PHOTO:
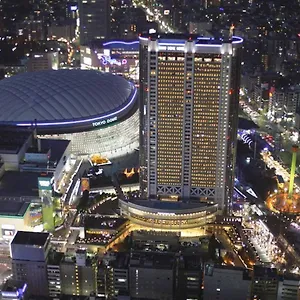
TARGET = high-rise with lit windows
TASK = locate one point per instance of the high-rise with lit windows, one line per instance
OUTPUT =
(94, 19)
(189, 89)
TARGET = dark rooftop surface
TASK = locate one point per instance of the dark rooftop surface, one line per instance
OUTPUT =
(192, 262)
(152, 260)
(13, 208)
(260, 271)
(54, 258)
(11, 140)
(246, 124)
(19, 184)
(121, 261)
(30, 238)
(58, 147)
(12, 285)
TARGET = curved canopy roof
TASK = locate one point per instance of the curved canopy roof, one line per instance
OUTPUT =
(62, 95)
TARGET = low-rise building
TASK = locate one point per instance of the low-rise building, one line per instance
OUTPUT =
(14, 290)
(14, 216)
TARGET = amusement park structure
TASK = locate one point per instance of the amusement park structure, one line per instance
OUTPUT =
(286, 199)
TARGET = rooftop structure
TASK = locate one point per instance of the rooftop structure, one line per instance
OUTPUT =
(13, 289)
(63, 97)
(168, 215)
(13, 208)
(152, 260)
(12, 140)
(15, 184)
(30, 238)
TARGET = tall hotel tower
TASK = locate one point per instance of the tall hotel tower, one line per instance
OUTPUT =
(189, 90)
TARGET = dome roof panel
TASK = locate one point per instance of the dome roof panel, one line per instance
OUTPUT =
(61, 95)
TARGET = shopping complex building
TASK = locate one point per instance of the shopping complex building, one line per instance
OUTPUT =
(118, 57)
(168, 215)
(96, 111)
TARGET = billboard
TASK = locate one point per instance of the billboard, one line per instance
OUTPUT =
(44, 184)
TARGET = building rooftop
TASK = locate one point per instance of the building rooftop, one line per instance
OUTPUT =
(152, 260)
(261, 271)
(11, 140)
(191, 262)
(246, 124)
(19, 184)
(30, 238)
(62, 97)
(180, 38)
(121, 261)
(57, 147)
(116, 44)
(13, 286)
(54, 257)
(13, 208)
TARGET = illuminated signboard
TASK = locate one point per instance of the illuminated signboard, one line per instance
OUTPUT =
(73, 7)
(104, 122)
(171, 48)
(8, 231)
(44, 183)
(107, 60)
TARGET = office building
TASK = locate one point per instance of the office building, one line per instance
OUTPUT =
(152, 275)
(94, 16)
(78, 277)
(53, 272)
(43, 61)
(116, 276)
(223, 282)
(264, 283)
(189, 277)
(29, 253)
(189, 88)
(31, 30)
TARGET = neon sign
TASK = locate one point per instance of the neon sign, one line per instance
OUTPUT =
(104, 122)
(112, 61)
